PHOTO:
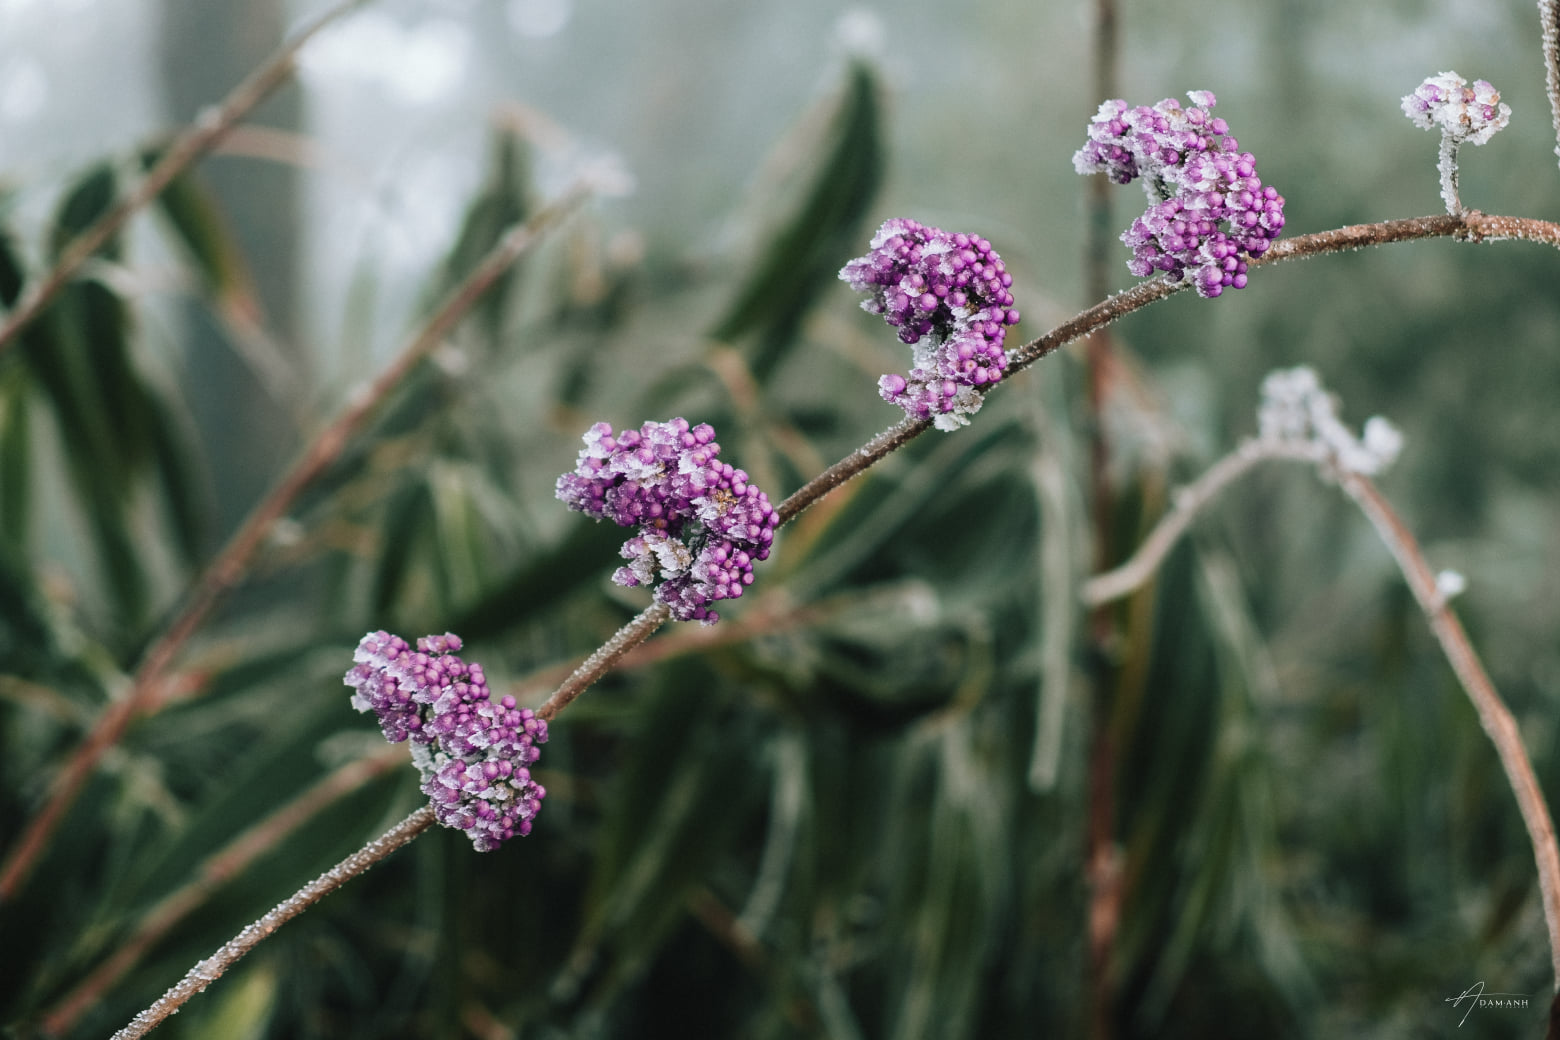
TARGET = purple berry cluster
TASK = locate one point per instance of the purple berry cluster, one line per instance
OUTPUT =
(1208, 210)
(948, 295)
(701, 524)
(474, 753)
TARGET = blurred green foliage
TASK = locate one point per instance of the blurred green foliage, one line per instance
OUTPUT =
(829, 825)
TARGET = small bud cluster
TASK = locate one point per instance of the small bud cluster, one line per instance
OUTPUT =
(1297, 410)
(701, 525)
(474, 753)
(948, 295)
(1462, 112)
(1465, 115)
(1208, 210)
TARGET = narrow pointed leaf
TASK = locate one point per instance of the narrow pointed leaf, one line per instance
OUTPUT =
(807, 250)
(198, 222)
(85, 202)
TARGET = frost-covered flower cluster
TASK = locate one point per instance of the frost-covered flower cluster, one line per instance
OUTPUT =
(1464, 113)
(701, 524)
(1297, 410)
(474, 752)
(1467, 112)
(948, 295)
(1208, 210)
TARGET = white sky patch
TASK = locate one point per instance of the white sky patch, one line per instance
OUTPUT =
(539, 19)
(24, 90)
(420, 65)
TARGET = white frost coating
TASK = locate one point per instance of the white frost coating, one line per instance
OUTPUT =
(1549, 19)
(1297, 411)
(1464, 114)
(965, 404)
(212, 968)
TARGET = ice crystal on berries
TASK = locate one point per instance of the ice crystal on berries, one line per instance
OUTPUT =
(474, 751)
(1208, 210)
(1464, 113)
(948, 295)
(701, 524)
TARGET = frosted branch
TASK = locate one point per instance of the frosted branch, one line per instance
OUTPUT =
(602, 661)
(214, 872)
(1549, 22)
(212, 968)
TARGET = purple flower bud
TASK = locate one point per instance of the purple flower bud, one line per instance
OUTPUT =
(1189, 165)
(701, 522)
(471, 754)
(964, 308)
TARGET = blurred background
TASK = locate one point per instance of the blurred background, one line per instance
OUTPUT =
(857, 807)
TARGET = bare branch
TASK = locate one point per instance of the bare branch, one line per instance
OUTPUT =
(1188, 502)
(212, 968)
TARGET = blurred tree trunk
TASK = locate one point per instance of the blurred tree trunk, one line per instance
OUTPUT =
(206, 48)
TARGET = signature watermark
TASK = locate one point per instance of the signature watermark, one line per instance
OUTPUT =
(1476, 996)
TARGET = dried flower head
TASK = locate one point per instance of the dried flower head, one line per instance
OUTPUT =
(1208, 210)
(474, 753)
(948, 295)
(701, 524)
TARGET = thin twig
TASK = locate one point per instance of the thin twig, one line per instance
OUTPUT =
(212, 968)
(642, 627)
(1549, 23)
(1189, 501)
(1494, 716)
(230, 566)
(204, 134)
(217, 870)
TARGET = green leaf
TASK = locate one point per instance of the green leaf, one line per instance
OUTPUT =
(15, 457)
(13, 273)
(807, 249)
(671, 819)
(502, 203)
(183, 498)
(197, 221)
(408, 520)
(92, 196)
